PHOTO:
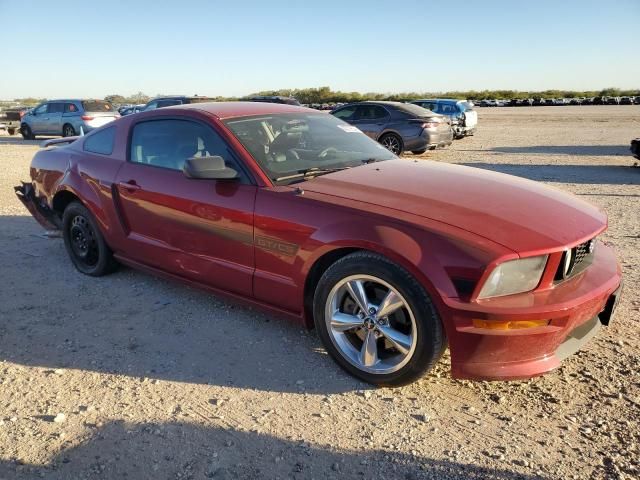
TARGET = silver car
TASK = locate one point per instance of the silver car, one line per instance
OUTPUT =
(66, 118)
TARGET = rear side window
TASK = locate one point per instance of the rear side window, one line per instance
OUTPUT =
(371, 112)
(345, 113)
(412, 109)
(428, 105)
(447, 109)
(70, 108)
(97, 106)
(168, 143)
(56, 107)
(101, 141)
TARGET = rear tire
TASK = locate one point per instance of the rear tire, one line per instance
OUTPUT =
(392, 142)
(84, 242)
(361, 343)
(26, 132)
(68, 130)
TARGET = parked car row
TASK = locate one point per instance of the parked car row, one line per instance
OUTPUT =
(535, 102)
(397, 126)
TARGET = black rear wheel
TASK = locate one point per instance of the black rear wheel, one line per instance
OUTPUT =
(392, 142)
(68, 130)
(84, 242)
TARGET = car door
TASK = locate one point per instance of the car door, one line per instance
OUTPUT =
(39, 119)
(198, 229)
(346, 113)
(371, 120)
(52, 122)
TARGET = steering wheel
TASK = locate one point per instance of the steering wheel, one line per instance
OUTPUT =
(327, 151)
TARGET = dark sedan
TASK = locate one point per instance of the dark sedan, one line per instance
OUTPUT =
(398, 126)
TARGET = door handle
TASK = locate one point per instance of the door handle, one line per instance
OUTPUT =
(130, 185)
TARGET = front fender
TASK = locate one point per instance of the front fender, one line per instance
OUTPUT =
(415, 250)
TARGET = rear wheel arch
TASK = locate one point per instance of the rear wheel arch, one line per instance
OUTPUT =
(62, 199)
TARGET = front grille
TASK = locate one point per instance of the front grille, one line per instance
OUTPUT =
(575, 260)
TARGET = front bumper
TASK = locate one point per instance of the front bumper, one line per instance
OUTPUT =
(576, 309)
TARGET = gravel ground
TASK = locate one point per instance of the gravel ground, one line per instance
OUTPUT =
(129, 376)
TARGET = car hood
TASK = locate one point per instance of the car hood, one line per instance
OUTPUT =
(522, 215)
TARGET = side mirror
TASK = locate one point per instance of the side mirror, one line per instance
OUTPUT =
(212, 168)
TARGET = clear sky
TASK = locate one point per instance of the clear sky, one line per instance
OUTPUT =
(95, 48)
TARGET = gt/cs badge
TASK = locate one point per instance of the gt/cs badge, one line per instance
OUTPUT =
(277, 246)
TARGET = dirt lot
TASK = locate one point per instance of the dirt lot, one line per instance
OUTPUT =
(129, 376)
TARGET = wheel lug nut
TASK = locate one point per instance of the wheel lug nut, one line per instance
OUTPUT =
(372, 310)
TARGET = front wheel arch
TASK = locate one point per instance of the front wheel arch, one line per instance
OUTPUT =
(316, 271)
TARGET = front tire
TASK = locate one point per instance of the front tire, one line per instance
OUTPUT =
(26, 132)
(376, 321)
(392, 142)
(419, 152)
(84, 242)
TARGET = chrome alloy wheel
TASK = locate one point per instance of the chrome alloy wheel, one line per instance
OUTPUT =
(391, 142)
(371, 324)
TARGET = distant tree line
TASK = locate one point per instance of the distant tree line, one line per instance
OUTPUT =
(326, 95)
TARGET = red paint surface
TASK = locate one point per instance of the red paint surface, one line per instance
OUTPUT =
(259, 242)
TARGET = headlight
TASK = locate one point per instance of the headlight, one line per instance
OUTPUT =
(514, 276)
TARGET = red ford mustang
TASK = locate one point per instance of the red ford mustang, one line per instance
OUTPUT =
(291, 209)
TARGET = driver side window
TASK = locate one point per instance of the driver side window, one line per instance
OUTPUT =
(42, 109)
(168, 143)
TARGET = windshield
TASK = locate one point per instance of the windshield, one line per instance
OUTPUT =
(97, 106)
(466, 106)
(288, 144)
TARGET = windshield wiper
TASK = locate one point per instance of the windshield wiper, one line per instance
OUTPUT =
(310, 172)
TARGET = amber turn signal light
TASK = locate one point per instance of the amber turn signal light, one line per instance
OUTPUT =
(509, 324)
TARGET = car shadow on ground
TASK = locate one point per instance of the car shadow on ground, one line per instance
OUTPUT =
(135, 324)
(183, 450)
(18, 140)
(580, 150)
(561, 173)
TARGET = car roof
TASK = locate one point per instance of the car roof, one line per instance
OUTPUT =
(75, 100)
(224, 110)
(440, 100)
